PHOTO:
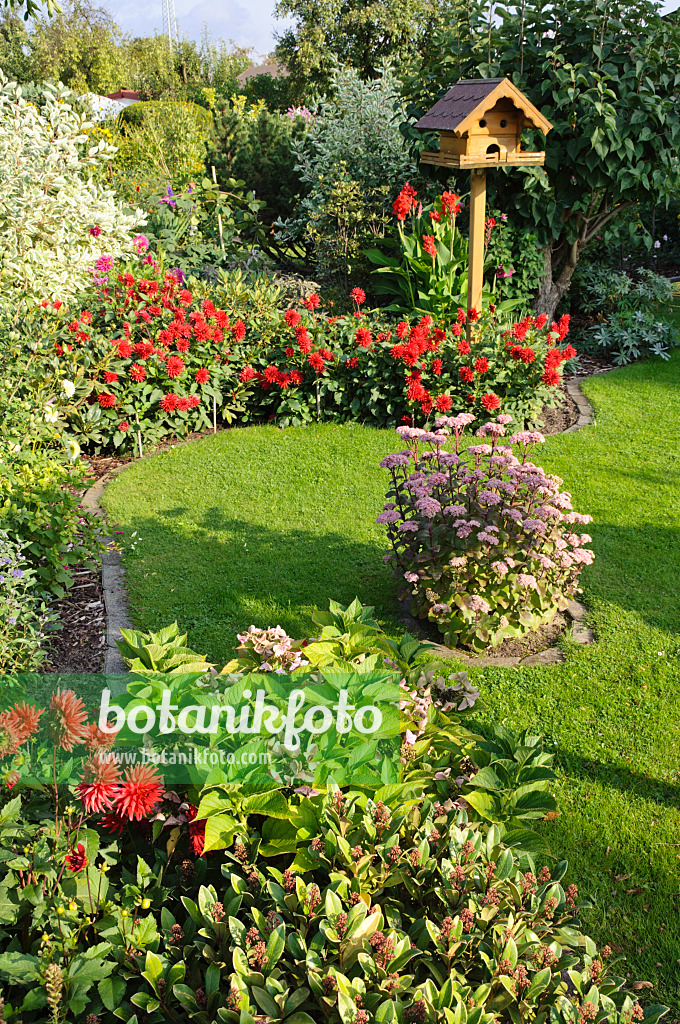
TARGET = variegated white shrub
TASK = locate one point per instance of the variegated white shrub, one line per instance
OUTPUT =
(56, 219)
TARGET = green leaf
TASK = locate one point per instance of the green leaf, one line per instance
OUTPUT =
(112, 991)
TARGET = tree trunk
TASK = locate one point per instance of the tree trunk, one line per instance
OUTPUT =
(551, 290)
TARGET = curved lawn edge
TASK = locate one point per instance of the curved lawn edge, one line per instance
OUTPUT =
(116, 596)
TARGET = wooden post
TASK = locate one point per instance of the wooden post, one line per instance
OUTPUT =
(214, 415)
(139, 434)
(476, 242)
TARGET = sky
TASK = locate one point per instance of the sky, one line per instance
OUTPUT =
(247, 22)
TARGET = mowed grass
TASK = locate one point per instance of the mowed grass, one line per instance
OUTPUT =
(263, 525)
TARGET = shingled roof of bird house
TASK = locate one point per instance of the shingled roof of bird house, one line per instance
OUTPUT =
(469, 99)
(480, 124)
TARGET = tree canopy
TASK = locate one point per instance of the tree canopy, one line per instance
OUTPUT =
(607, 75)
(360, 34)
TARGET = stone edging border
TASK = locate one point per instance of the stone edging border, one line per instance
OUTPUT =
(115, 598)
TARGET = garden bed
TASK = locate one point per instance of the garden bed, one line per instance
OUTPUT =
(78, 644)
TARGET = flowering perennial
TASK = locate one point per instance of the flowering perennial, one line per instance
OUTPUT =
(483, 540)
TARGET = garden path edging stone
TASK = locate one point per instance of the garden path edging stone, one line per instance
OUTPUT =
(115, 596)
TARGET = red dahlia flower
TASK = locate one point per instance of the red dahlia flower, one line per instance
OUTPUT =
(353, 362)
(466, 374)
(185, 297)
(196, 831)
(363, 337)
(182, 404)
(139, 793)
(246, 374)
(123, 426)
(316, 362)
(551, 378)
(437, 367)
(168, 403)
(239, 330)
(481, 365)
(292, 317)
(106, 401)
(67, 719)
(124, 350)
(174, 366)
(490, 401)
(461, 315)
(541, 321)
(443, 403)
(569, 352)
(99, 783)
(76, 860)
(137, 373)
(194, 401)
(110, 377)
(290, 352)
(312, 303)
(359, 296)
(472, 314)
(22, 720)
(295, 377)
(202, 376)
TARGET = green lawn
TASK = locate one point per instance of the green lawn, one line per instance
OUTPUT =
(262, 525)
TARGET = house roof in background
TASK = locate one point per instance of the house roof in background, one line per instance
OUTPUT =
(272, 68)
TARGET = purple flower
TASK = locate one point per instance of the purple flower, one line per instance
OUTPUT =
(429, 507)
(391, 516)
(478, 604)
(104, 264)
(411, 577)
(396, 459)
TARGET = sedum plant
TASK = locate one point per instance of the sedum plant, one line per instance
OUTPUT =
(56, 221)
(483, 541)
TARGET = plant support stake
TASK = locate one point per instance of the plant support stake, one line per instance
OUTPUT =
(214, 415)
(139, 434)
(219, 215)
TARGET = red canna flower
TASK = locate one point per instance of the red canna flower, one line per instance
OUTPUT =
(139, 793)
(430, 246)
(76, 860)
(67, 719)
(450, 203)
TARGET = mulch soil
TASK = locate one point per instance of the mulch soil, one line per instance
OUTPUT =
(78, 645)
(538, 640)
